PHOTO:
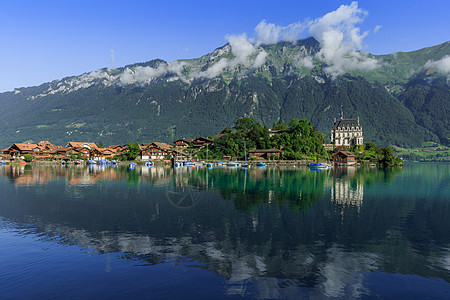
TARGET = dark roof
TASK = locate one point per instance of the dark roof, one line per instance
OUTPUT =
(344, 123)
(204, 139)
(346, 153)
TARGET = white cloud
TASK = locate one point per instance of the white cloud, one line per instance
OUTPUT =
(260, 59)
(113, 58)
(442, 65)
(141, 74)
(269, 33)
(377, 28)
(241, 48)
(306, 61)
(214, 70)
(176, 67)
(340, 39)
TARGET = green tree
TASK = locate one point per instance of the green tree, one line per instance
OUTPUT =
(132, 151)
(28, 157)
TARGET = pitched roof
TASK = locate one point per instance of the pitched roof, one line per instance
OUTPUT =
(162, 145)
(204, 138)
(345, 123)
(25, 147)
(346, 153)
(80, 144)
(46, 144)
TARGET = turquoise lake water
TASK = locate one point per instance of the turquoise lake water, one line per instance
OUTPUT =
(224, 233)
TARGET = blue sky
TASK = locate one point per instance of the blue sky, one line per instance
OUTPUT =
(44, 40)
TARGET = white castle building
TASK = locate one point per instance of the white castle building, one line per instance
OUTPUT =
(346, 132)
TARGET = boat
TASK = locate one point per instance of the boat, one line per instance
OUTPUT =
(245, 165)
(2, 162)
(319, 166)
(148, 163)
(114, 161)
(260, 164)
(91, 162)
(209, 165)
(231, 164)
(132, 165)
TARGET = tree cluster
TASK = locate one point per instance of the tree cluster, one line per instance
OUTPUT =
(298, 140)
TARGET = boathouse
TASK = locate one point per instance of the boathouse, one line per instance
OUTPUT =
(344, 158)
(264, 153)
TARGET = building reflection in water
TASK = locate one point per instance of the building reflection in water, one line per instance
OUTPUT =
(347, 191)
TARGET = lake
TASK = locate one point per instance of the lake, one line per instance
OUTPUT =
(224, 233)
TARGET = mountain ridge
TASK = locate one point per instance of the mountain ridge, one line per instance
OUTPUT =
(157, 100)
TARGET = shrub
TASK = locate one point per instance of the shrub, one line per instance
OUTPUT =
(28, 157)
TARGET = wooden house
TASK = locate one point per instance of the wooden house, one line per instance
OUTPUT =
(344, 158)
(202, 142)
(183, 143)
(18, 150)
(264, 153)
(89, 146)
(155, 151)
(102, 153)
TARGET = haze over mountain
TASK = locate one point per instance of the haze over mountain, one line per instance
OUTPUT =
(401, 98)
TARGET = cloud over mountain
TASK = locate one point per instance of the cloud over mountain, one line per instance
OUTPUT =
(442, 65)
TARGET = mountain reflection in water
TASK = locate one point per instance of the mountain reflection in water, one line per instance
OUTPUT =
(269, 232)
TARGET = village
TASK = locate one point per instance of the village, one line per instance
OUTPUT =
(344, 133)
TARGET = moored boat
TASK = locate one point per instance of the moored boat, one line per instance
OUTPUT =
(261, 164)
(319, 166)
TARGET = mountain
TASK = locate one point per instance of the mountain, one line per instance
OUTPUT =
(403, 101)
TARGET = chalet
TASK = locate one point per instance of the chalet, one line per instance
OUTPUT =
(80, 152)
(19, 150)
(60, 153)
(89, 146)
(46, 145)
(344, 158)
(116, 148)
(202, 142)
(179, 155)
(156, 151)
(102, 153)
(183, 143)
(264, 153)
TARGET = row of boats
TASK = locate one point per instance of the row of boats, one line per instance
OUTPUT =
(200, 164)
(219, 164)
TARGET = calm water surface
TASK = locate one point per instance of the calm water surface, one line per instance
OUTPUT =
(197, 233)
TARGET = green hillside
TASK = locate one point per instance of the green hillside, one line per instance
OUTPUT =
(401, 103)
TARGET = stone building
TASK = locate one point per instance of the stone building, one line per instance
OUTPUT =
(346, 132)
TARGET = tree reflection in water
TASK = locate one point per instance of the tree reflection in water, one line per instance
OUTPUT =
(272, 227)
